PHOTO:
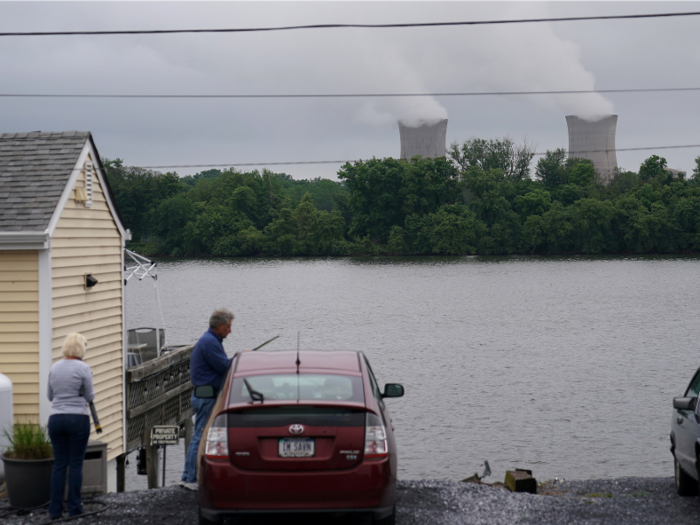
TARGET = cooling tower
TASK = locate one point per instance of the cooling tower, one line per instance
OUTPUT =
(594, 140)
(426, 140)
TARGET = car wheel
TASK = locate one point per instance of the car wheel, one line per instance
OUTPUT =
(389, 520)
(685, 484)
(205, 521)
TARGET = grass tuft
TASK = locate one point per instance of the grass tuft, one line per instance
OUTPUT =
(28, 441)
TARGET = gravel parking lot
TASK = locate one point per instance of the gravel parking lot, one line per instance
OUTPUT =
(620, 501)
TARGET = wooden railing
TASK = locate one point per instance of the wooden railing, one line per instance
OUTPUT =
(158, 393)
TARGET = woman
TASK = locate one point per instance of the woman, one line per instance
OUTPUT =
(70, 389)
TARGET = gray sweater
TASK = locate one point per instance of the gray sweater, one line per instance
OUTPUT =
(65, 379)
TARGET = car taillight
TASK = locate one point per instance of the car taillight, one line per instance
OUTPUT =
(217, 439)
(376, 445)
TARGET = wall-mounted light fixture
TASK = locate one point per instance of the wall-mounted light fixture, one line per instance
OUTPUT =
(90, 281)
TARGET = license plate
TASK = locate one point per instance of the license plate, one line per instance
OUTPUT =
(297, 447)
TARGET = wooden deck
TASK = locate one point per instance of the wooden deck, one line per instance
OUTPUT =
(158, 393)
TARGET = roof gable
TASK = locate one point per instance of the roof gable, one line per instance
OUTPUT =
(34, 170)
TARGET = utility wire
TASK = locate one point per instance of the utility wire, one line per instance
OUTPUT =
(251, 164)
(334, 26)
(358, 95)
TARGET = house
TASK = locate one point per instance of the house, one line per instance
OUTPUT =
(61, 260)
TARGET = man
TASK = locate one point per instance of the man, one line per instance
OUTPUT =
(209, 365)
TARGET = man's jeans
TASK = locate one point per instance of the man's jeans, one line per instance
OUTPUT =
(202, 409)
(69, 435)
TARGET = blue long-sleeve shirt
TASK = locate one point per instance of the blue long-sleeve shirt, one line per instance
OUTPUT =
(209, 363)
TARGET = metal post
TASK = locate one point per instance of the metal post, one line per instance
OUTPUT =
(165, 447)
(121, 472)
(155, 287)
(151, 459)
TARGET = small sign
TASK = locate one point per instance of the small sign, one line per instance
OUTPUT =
(165, 435)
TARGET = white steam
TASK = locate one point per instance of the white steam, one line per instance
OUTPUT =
(518, 57)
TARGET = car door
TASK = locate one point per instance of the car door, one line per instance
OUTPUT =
(687, 430)
(386, 417)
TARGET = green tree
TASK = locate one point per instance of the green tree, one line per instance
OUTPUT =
(137, 192)
(383, 192)
(502, 154)
(192, 180)
(324, 191)
(591, 221)
(535, 202)
(551, 168)
(652, 167)
(554, 169)
(452, 230)
(282, 234)
(169, 220)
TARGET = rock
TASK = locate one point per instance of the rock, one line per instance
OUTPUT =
(471, 479)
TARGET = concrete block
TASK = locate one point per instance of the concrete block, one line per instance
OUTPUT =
(520, 480)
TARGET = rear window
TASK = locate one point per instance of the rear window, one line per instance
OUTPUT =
(305, 415)
(300, 387)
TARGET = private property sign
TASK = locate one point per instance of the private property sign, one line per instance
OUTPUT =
(165, 434)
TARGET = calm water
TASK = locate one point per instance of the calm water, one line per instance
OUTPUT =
(565, 366)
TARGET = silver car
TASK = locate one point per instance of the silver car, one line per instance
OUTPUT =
(685, 439)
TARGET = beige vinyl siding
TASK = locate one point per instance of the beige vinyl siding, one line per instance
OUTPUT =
(19, 330)
(87, 240)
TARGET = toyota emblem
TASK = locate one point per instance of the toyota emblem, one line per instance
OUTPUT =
(296, 429)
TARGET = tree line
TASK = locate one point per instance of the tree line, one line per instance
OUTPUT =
(481, 198)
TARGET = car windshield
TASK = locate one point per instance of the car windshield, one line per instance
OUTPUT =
(301, 387)
(694, 387)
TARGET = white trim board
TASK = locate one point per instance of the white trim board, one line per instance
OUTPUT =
(45, 333)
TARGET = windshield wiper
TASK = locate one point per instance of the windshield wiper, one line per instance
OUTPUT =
(254, 394)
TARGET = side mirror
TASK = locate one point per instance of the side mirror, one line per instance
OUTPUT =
(393, 390)
(204, 392)
(685, 403)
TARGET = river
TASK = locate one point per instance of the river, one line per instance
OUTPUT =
(563, 365)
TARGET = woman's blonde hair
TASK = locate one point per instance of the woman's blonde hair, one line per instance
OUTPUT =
(74, 345)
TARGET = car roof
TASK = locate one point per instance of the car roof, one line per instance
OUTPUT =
(285, 360)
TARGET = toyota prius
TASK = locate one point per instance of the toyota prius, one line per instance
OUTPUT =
(298, 431)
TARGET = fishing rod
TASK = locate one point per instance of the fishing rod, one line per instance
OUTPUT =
(95, 419)
(93, 411)
(259, 347)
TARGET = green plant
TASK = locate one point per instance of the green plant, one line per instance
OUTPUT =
(28, 441)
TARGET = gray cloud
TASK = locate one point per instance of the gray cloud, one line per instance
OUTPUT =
(583, 55)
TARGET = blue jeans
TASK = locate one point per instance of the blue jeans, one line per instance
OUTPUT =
(69, 435)
(202, 409)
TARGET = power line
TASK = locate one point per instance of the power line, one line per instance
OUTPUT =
(362, 26)
(356, 95)
(290, 163)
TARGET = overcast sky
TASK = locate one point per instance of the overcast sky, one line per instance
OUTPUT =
(616, 54)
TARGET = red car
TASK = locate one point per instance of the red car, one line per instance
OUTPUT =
(298, 431)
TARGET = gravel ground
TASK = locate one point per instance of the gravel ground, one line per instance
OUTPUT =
(620, 501)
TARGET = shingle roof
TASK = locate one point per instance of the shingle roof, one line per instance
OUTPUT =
(34, 170)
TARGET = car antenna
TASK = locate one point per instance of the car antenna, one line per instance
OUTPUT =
(298, 362)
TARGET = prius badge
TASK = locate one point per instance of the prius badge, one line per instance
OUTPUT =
(296, 429)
